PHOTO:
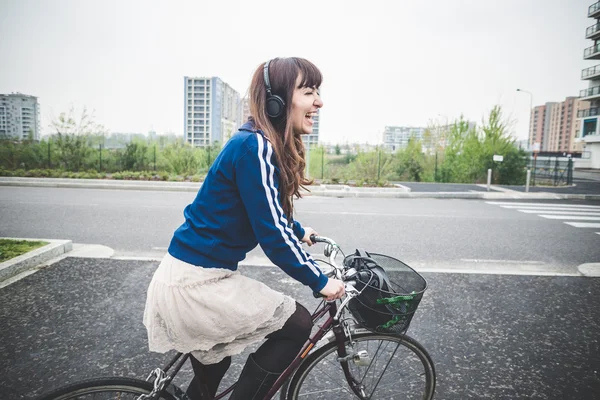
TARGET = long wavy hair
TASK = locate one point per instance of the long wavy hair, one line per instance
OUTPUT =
(287, 144)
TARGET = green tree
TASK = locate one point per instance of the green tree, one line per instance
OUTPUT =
(135, 156)
(410, 162)
(182, 159)
(373, 167)
(470, 152)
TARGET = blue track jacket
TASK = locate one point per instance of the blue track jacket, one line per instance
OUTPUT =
(238, 207)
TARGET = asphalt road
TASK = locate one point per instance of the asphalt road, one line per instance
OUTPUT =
(500, 337)
(491, 336)
(434, 234)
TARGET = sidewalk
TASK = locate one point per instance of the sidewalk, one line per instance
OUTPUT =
(400, 190)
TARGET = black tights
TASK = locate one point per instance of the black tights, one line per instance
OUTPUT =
(275, 354)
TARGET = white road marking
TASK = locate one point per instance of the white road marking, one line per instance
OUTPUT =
(58, 204)
(498, 271)
(584, 224)
(466, 266)
(376, 214)
(475, 260)
(542, 209)
(590, 213)
(571, 217)
(510, 203)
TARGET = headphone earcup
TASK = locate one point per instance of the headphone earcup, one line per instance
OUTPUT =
(275, 106)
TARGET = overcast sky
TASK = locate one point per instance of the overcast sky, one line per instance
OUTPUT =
(395, 62)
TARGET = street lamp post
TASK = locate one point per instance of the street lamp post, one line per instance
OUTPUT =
(531, 112)
(530, 103)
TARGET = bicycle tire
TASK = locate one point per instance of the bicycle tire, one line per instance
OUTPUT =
(135, 387)
(410, 347)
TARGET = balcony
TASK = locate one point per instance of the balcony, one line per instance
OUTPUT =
(592, 53)
(594, 10)
(593, 32)
(591, 72)
(589, 94)
(590, 112)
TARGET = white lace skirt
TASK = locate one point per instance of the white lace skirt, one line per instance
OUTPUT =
(212, 313)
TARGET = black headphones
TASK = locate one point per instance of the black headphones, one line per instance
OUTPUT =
(275, 104)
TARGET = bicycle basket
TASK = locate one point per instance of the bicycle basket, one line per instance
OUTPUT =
(384, 306)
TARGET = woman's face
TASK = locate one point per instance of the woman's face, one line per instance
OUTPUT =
(305, 103)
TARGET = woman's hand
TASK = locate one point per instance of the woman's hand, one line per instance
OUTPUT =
(333, 290)
(308, 232)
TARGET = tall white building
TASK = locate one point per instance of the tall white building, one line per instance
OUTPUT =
(212, 111)
(590, 128)
(19, 116)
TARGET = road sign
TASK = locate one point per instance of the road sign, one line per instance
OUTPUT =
(536, 146)
(498, 158)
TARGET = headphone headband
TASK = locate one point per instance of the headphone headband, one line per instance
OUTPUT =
(266, 77)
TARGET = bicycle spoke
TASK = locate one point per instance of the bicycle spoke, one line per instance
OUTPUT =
(369, 368)
(391, 369)
(323, 369)
(385, 369)
(375, 358)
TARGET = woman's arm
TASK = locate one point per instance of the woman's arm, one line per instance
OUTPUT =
(258, 184)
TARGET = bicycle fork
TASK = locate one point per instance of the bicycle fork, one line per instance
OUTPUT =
(344, 357)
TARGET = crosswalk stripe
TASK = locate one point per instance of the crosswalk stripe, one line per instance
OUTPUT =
(584, 224)
(542, 209)
(590, 213)
(510, 203)
(571, 217)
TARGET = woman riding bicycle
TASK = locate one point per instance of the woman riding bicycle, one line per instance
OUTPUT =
(197, 301)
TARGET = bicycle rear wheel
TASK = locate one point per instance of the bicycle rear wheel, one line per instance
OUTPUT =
(105, 388)
(385, 366)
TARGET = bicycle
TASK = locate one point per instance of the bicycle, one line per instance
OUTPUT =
(339, 361)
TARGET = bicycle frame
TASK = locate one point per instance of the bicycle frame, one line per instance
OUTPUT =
(331, 323)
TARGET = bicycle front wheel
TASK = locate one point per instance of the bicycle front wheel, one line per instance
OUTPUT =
(383, 366)
(105, 388)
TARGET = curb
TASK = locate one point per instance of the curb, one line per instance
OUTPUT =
(321, 190)
(102, 184)
(32, 259)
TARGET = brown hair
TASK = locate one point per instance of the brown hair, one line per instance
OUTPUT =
(287, 145)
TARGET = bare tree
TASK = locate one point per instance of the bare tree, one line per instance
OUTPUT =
(73, 137)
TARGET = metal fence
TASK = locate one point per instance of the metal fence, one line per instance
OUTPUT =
(556, 171)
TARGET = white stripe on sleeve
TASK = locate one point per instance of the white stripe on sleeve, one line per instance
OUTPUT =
(281, 225)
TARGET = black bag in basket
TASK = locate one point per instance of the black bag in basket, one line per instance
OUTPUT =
(382, 306)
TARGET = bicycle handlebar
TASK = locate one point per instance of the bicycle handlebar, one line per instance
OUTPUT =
(321, 239)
